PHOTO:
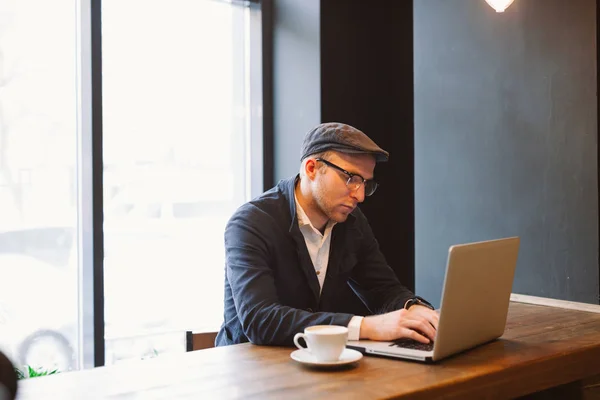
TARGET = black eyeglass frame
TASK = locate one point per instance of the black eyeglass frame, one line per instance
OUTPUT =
(365, 182)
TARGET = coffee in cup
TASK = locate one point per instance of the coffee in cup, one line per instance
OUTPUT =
(325, 342)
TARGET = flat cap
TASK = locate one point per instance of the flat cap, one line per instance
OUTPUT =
(340, 137)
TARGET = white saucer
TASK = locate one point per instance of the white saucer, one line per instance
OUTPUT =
(348, 356)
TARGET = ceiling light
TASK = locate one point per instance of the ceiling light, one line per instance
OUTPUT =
(499, 5)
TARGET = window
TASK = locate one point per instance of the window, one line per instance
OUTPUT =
(38, 186)
(177, 105)
(181, 150)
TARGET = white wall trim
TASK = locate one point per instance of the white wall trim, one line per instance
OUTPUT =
(545, 301)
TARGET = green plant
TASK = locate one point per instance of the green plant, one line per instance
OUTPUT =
(30, 372)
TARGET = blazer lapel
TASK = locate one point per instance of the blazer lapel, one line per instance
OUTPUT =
(303, 257)
(342, 237)
(307, 265)
(336, 251)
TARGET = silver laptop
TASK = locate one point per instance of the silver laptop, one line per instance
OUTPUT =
(474, 305)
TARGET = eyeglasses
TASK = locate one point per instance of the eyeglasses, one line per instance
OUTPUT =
(354, 180)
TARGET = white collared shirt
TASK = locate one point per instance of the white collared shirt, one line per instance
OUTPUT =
(318, 248)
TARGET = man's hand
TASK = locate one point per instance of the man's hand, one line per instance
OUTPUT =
(418, 323)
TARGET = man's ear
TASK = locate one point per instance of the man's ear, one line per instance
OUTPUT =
(311, 168)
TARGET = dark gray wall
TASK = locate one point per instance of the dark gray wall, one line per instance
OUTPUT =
(506, 139)
(296, 80)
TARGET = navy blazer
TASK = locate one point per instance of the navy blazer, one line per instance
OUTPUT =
(271, 288)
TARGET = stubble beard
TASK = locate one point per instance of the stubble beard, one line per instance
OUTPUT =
(327, 209)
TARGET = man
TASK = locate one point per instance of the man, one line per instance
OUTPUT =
(292, 250)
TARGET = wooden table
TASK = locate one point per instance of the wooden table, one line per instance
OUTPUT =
(542, 347)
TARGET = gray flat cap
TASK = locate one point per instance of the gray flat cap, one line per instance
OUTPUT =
(340, 137)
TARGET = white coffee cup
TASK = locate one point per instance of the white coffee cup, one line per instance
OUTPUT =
(325, 342)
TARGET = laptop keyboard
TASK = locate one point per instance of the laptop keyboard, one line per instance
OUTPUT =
(412, 344)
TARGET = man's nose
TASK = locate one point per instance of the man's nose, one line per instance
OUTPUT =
(359, 194)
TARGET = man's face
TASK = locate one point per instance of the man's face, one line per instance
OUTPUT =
(332, 196)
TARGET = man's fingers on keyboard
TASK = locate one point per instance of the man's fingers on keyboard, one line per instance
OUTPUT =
(423, 327)
(415, 335)
(412, 330)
